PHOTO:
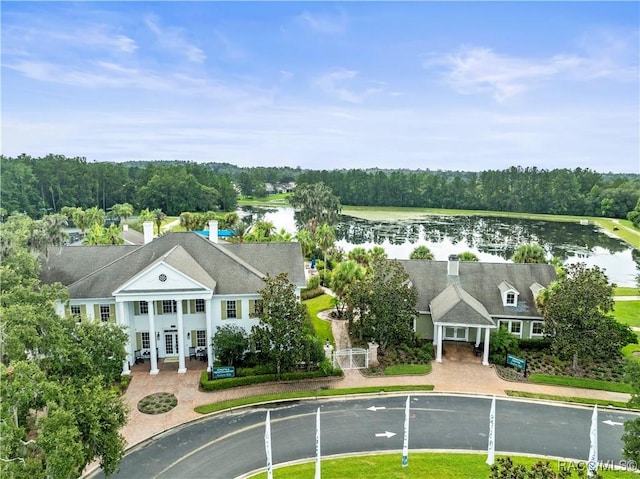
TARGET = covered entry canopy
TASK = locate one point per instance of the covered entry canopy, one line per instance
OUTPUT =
(456, 308)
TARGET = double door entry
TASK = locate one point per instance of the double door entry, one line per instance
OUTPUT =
(171, 343)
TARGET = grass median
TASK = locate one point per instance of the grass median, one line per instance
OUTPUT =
(583, 383)
(223, 405)
(407, 369)
(421, 465)
(573, 399)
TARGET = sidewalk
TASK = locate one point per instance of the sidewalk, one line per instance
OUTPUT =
(449, 376)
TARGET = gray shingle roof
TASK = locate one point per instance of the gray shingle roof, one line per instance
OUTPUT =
(232, 269)
(455, 306)
(481, 280)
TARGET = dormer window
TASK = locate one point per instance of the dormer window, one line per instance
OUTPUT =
(509, 294)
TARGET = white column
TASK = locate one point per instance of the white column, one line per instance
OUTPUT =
(478, 336)
(120, 312)
(485, 357)
(208, 306)
(153, 340)
(181, 342)
(439, 350)
(435, 335)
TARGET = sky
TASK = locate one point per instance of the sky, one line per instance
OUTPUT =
(325, 85)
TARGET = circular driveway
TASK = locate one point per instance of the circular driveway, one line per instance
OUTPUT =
(232, 444)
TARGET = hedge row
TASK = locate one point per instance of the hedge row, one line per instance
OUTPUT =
(311, 293)
(227, 383)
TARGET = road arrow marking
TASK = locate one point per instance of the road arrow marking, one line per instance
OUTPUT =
(375, 408)
(386, 434)
(612, 423)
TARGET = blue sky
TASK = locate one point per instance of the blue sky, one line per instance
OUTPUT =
(438, 85)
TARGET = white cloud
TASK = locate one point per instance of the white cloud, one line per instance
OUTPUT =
(172, 38)
(327, 24)
(333, 84)
(481, 70)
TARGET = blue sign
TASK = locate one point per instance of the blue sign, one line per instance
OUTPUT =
(224, 372)
(516, 362)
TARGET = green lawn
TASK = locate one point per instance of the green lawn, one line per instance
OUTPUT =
(321, 327)
(421, 465)
(402, 369)
(626, 291)
(281, 199)
(627, 312)
(553, 397)
(629, 349)
(581, 383)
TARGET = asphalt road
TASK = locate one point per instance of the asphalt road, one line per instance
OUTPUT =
(232, 444)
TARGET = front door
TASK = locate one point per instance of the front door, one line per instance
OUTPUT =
(171, 343)
(456, 333)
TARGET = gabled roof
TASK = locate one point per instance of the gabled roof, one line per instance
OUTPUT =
(455, 306)
(481, 280)
(231, 269)
(505, 287)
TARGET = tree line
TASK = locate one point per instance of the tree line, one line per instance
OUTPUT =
(37, 186)
(527, 190)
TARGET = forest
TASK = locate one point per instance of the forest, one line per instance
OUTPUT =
(39, 186)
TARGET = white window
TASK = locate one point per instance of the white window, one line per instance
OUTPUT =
(231, 309)
(169, 306)
(201, 338)
(511, 299)
(516, 328)
(199, 305)
(146, 341)
(537, 328)
(144, 307)
(105, 313)
(75, 312)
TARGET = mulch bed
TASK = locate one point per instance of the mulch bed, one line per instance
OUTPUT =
(157, 403)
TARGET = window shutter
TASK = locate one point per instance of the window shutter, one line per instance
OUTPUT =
(184, 307)
(138, 341)
(239, 309)
(192, 306)
(67, 310)
(252, 308)
(83, 312)
(158, 307)
(194, 338)
(223, 312)
(112, 313)
(136, 308)
(96, 312)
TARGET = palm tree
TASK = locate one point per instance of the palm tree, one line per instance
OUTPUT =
(325, 237)
(158, 217)
(54, 229)
(305, 239)
(344, 274)
(468, 256)
(529, 253)
(80, 219)
(122, 210)
(359, 255)
(421, 252)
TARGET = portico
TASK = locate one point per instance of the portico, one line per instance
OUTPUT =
(455, 315)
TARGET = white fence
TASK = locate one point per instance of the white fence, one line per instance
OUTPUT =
(355, 358)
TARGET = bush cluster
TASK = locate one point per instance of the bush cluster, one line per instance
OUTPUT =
(311, 293)
(219, 384)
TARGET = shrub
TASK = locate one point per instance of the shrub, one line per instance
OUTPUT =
(227, 383)
(534, 344)
(308, 294)
(313, 283)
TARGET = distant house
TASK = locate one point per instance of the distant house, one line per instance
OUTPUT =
(464, 301)
(172, 292)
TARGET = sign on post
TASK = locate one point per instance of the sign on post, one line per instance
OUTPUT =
(224, 372)
(516, 362)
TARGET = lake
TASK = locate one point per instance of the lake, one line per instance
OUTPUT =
(491, 239)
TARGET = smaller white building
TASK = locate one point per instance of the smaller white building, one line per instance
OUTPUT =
(173, 292)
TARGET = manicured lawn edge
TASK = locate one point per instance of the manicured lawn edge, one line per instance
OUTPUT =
(422, 464)
(322, 327)
(572, 399)
(629, 349)
(581, 383)
(625, 291)
(233, 403)
(407, 369)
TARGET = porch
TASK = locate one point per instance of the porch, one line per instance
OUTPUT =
(170, 364)
(462, 352)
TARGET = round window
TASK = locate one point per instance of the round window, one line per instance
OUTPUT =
(162, 277)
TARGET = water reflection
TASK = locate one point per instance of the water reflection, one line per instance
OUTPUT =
(491, 239)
